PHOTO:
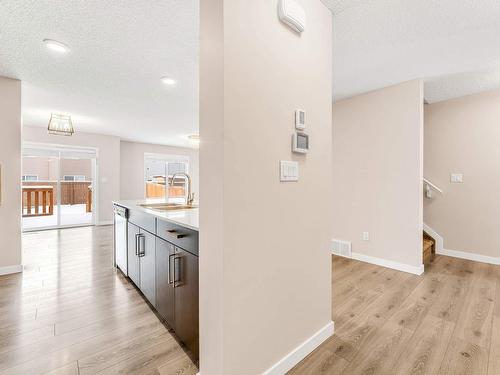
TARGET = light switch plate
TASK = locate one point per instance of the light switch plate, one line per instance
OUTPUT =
(289, 171)
(300, 119)
(366, 236)
(456, 178)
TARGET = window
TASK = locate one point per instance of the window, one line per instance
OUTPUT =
(159, 176)
(30, 177)
(74, 178)
(176, 167)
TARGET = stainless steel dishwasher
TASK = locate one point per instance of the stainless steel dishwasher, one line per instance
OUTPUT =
(120, 237)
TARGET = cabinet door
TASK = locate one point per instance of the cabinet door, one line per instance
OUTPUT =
(186, 298)
(147, 258)
(133, 258)
(165, 280)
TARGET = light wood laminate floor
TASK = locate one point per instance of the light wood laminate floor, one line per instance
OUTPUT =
(70, 312)
(445, 322)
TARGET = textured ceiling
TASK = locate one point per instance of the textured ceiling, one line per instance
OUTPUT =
(457, 85)
(338, 6)
(110, 80)
(453, 45)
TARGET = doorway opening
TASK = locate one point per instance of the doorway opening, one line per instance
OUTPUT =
(58, 186)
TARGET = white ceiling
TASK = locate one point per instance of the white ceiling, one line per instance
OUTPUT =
(453, 44)
(110, 80)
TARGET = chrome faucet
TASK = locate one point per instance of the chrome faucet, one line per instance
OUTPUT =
(190, 196)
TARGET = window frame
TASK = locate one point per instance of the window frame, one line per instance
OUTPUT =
(166, 158)
(75, 179)
(23, 178)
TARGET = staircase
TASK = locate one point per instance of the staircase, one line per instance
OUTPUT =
(429, 243)
(428, 248)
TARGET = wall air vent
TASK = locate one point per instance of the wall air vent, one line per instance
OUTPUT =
(342, 248)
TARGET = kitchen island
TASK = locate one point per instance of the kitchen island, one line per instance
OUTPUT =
(185, 217)
(156, 247)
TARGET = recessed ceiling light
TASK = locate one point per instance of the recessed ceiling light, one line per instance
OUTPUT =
(56, 46)
(168, 81)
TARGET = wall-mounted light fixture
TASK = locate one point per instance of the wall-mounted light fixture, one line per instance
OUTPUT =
(60, 125)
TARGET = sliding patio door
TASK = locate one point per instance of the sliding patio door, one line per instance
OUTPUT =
(58, 187)
(39, 189)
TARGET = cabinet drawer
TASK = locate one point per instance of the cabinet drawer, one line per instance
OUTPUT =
(142, 220)
(180, 236)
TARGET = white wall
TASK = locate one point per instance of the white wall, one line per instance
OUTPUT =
(132, 166)
(10, 163)
(109, 162)
(463, 136)
(377, 173)
(265, 265)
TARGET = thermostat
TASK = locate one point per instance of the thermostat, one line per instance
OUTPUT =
(300, 143)
(300, 119)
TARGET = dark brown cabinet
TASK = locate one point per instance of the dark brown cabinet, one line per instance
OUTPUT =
(164, 280)
(186, 298)
(163, 264)
(147, 256)
(141, 261)
(177, 291)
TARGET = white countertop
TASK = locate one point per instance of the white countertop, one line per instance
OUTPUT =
(187, 218)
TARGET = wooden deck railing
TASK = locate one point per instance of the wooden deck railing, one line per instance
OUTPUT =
(157, 190)
(74, 192)
(38, 200)
(39, 197)
(89, 199)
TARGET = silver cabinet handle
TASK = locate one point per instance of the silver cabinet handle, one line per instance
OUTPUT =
(170, 280)
(142, 243)
(137, 244)
(177, 271)
(174, 234)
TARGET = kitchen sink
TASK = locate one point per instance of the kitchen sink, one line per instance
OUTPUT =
(167, 206)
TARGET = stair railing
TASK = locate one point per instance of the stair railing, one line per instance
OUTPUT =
(429, 187)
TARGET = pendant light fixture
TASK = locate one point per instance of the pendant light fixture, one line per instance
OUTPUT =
(60, 125)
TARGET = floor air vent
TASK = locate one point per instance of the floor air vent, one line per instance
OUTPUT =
(342, 248)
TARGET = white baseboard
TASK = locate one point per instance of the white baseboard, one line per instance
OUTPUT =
(389, 264)
(469, 256)
(11, 269)
(439, 240)
(302, 351)
(456, 253)
(108, 222)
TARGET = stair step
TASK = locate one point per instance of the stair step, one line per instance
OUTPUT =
(428, 245)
